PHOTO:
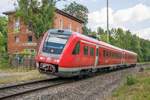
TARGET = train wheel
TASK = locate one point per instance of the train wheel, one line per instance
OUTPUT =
(41, 71)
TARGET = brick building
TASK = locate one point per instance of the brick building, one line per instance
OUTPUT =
(20, 39)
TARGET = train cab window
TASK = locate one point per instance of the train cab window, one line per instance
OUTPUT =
(85, 50)
(55, 43)
(91, 51)
(76, 49)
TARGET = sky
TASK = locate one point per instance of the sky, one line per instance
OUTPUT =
(133, 15)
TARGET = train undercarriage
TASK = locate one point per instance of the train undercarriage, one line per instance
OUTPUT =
(51, 69)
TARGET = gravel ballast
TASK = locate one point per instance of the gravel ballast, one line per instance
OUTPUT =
(95, 88)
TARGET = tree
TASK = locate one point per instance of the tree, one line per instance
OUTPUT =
(101, 34)
(86, 30)
(100, 30)
(3, 33)
(2, 43)
(136, 47)
(145, 48)
(77, 10)
(38, 16)
(3, 25)
(127, 40)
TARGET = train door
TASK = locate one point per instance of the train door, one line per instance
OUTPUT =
(76, 55)
(123, 57)
(96, 56)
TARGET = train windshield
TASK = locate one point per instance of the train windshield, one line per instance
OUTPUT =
(54, 44)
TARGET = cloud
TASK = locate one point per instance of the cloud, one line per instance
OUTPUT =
(145, 33)
(99, 18)
(137, 13)
(6, 5)
(122, 18)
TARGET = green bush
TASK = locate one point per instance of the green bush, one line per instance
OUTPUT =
(131, 80)
(4, 60)
(147, 68)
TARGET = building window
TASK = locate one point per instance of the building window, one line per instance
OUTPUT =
(33, 50)
(70, 27)
(17, 25)
(29, 27)
(17, 40)
(29, 38)
(61, 24)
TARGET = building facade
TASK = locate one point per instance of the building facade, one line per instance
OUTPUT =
(20, 39)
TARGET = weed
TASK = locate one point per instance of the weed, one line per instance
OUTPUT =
(131, 80)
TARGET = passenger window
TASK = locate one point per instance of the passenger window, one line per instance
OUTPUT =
(91, 51)
(110, 54)
(107, 53)
(97, 52)
(104, 53)
(85, 50)
(76, 49)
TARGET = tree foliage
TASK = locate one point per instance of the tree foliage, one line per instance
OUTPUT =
(3, 25)
(3, 34)
(86, 30)
(77, 10)
(38, 16)
(127, 40)
(2, 43)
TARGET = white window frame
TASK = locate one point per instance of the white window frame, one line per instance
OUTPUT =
(17, 40)
(17, 25)
(61, 23)
(70, 27)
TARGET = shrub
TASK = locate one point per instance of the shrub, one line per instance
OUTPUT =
(131, 80)
(4, 61)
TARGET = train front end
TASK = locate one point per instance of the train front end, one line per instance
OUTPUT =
(51, 50)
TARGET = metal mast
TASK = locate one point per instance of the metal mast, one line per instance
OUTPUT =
(108, 21)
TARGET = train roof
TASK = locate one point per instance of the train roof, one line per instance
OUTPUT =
(102, 43)
(129, 52)
(96, 41)
(89, 39)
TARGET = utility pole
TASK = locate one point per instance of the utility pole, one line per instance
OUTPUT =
(108, 21)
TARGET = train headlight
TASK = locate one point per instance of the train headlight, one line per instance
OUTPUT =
(41, 58)
(57, 61)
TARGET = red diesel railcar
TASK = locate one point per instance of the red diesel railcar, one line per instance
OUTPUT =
(64, 53)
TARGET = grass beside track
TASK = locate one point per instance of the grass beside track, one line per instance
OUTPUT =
(14, 75)
(135, 88)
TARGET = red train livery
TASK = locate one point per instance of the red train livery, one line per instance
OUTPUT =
(64, 53)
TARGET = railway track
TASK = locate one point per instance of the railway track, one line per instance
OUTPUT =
(18, 89)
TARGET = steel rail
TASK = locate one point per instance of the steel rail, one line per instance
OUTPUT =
(23, 88)
(19, 89)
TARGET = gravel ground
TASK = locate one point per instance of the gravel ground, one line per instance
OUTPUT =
(94, 88)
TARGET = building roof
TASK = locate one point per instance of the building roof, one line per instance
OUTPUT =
(69, 16)
(57, 11)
